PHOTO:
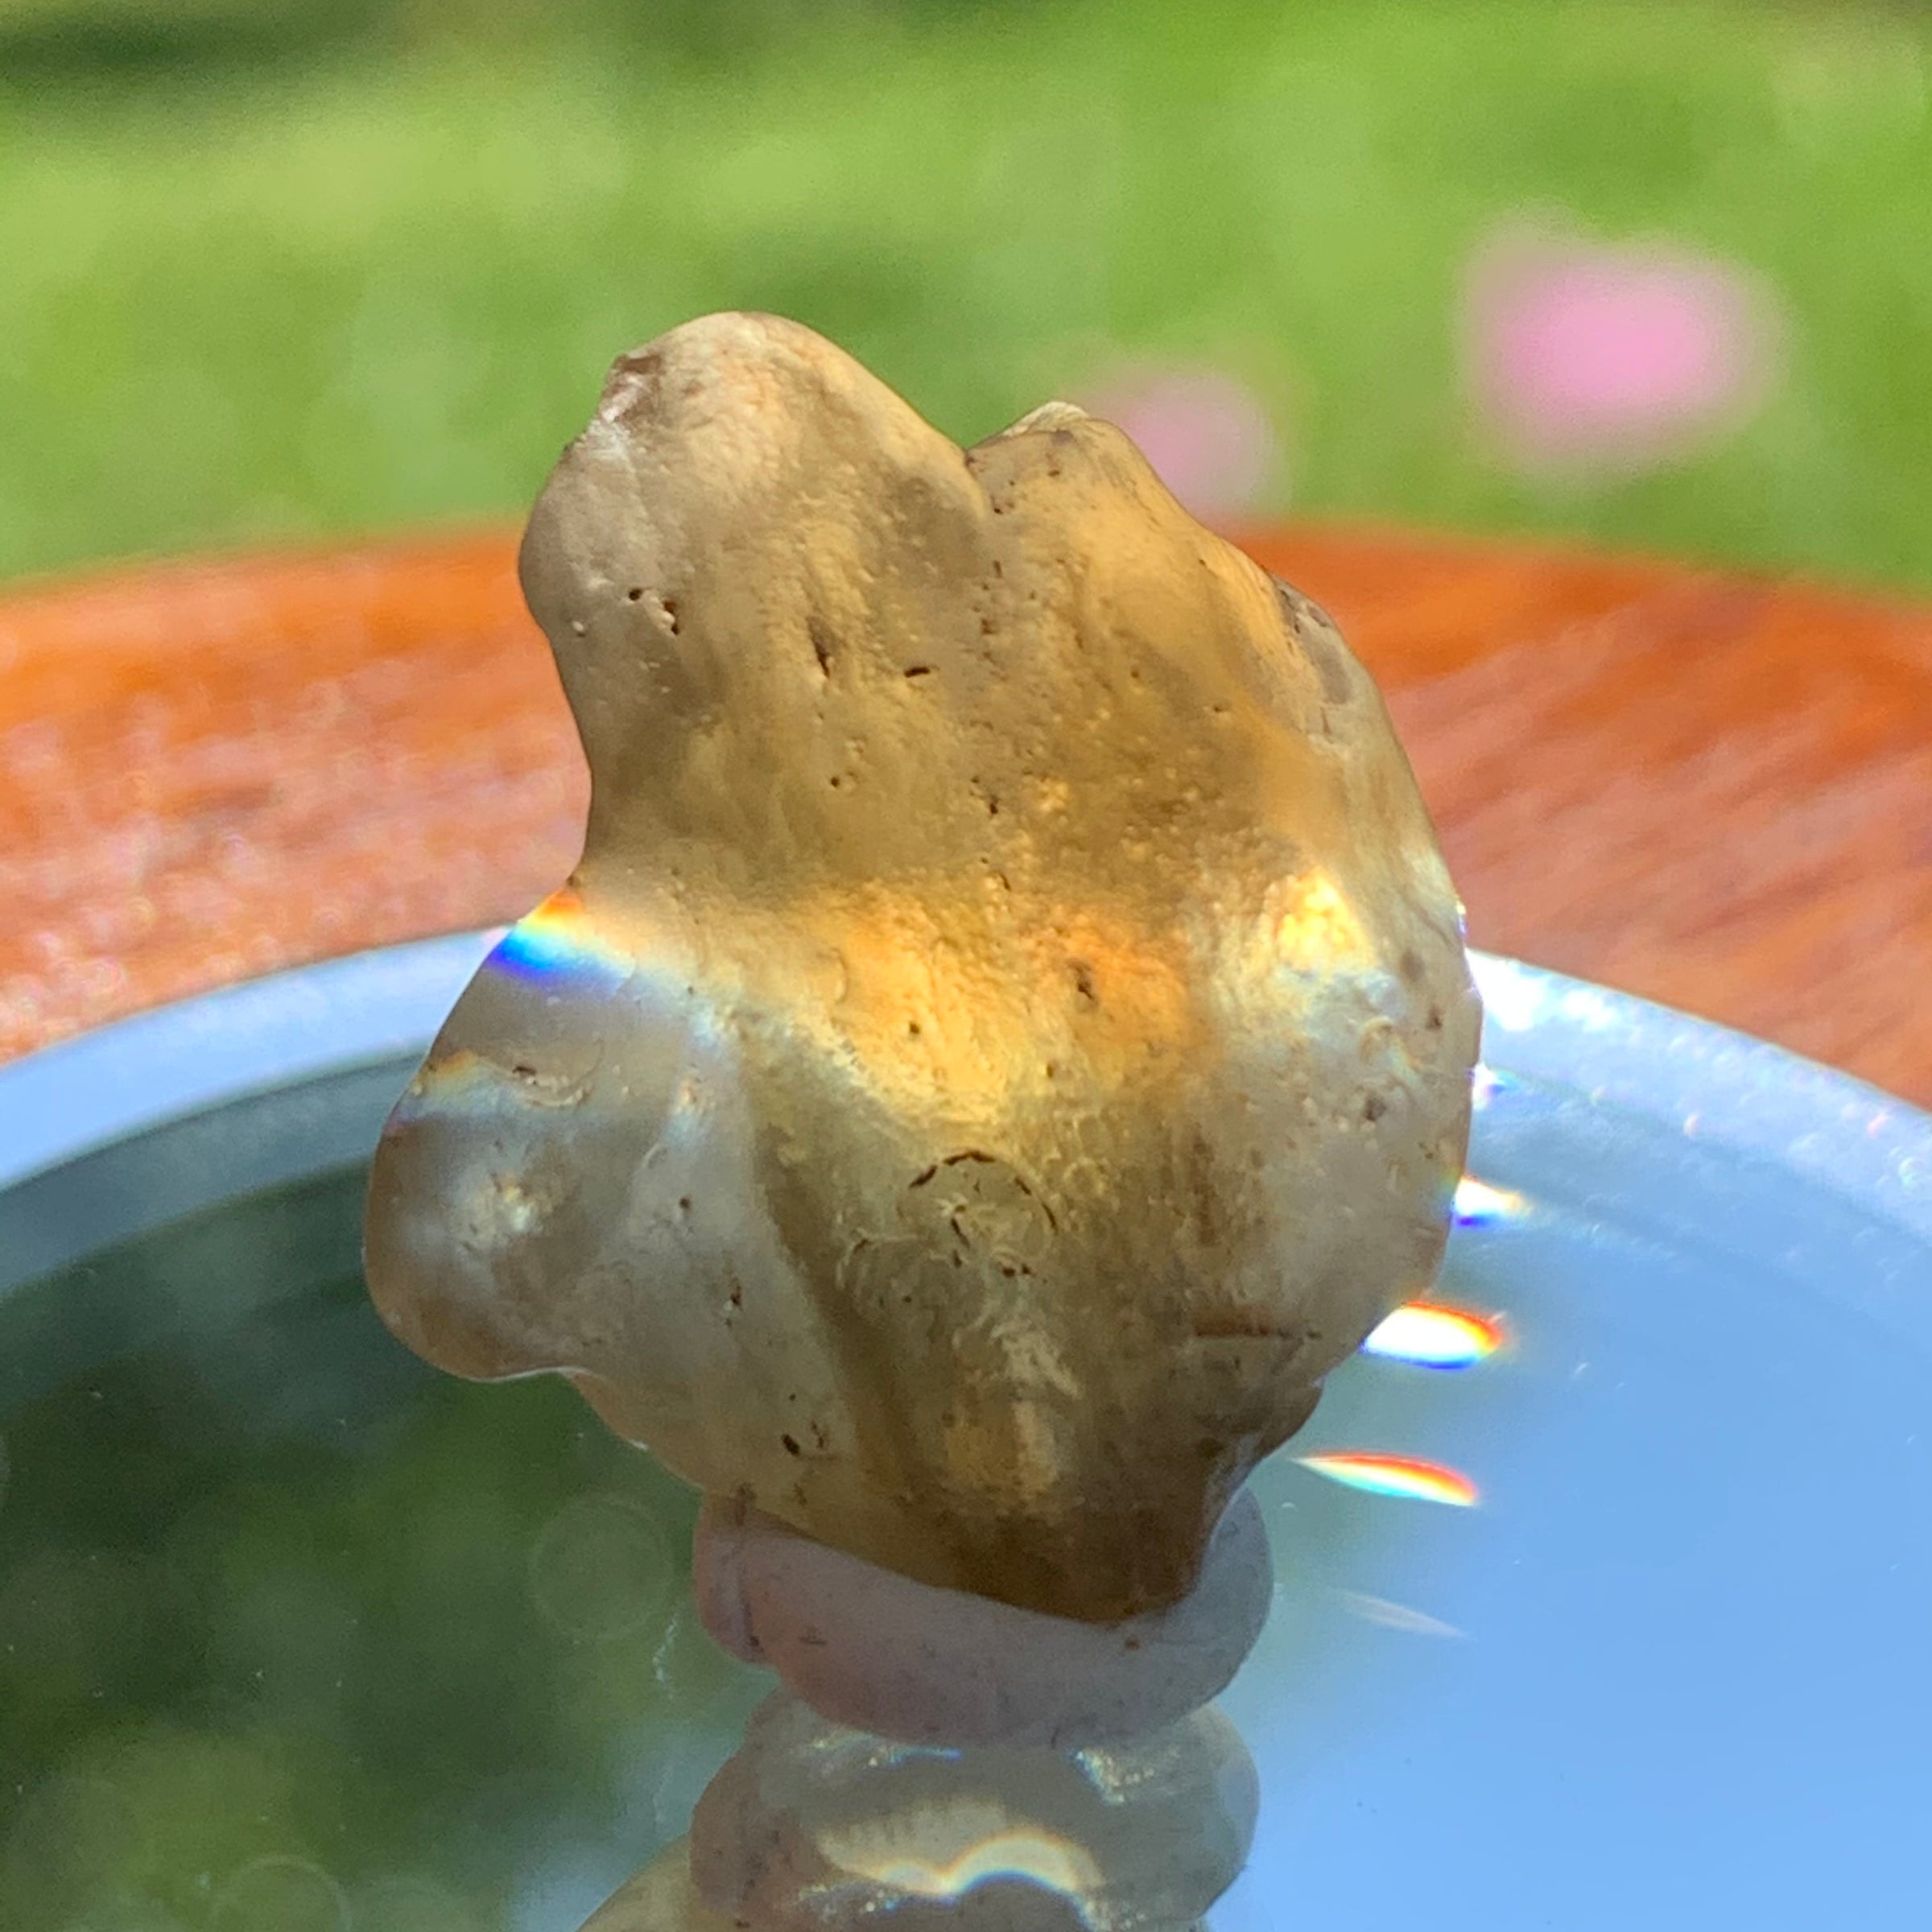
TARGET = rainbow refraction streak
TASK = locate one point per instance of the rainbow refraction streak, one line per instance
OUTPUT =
(1037, 1855)
(1485, 1083)
(559, 942)
(1401, 1475)
(1432, 1334)
(1478, 1205)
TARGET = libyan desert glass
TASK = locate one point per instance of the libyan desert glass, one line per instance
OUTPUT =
(1621, 1624)
(1008, 1036)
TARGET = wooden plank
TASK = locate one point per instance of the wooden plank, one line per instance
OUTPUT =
(1711, 790)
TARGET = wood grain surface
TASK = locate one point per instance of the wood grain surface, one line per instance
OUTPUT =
(1710, 790)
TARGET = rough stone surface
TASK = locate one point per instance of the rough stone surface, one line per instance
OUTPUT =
(1008, 1035)
(870, 1648)
(812, 1827)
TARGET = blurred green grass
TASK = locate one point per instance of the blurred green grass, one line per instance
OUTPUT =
(271, 271)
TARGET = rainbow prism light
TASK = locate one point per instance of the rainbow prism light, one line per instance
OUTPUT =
(1432, 1334)
(560, 941)
(1406, 1476)
(1480, 1205)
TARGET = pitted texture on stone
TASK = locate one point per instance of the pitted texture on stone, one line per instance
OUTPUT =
(1009, 1036)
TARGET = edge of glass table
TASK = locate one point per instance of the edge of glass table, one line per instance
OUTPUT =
(320, 1053)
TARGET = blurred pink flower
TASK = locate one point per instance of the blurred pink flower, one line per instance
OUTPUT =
(1581, 356)
(1207, 435)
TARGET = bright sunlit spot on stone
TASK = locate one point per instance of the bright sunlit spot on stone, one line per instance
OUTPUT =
(1433, 1335)
(1401, 1475)
(1478, 1205)
(1317, 928)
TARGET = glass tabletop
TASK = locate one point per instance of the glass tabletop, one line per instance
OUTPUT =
(1620, 1623)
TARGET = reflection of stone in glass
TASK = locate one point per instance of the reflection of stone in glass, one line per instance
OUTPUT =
(813, 1826)
(1009, 1036)
(663, 1898)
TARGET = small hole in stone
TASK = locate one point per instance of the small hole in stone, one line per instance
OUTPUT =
(635, 593)
(791, 1448)
(919, 671)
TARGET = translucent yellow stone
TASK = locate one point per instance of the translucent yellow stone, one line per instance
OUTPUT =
(1008, 1035)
